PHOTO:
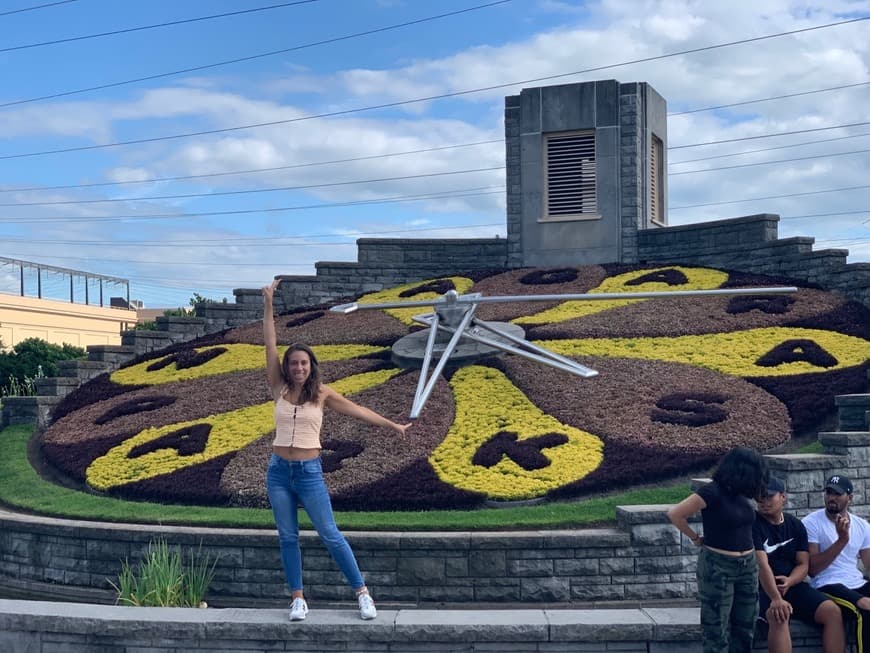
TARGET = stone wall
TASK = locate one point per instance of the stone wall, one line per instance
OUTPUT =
(382, 263)
(750, 244)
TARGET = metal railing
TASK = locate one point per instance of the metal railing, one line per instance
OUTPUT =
(28, 279)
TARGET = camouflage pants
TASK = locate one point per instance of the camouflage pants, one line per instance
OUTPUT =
(728, 590)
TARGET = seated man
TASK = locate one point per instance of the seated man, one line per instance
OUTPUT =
(837, 539)
(783, 561)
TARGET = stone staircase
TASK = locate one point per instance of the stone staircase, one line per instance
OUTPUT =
(209, 317)
(846, 451)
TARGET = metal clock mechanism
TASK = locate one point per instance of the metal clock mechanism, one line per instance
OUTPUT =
(453, 335)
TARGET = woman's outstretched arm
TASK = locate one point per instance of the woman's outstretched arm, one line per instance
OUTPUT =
(345, 406)
(273, 363)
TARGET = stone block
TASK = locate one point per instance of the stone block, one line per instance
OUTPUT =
(420, 571)
(618, 566)
(588, 592)
(654, 535)
(545, 589)
(578, 567)
(530, 111)
(464, 626)
(530, 568)
(487, 564)
(497, 593)
(659, 565)
(602, 625)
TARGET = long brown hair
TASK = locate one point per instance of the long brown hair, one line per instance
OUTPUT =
(311, 388)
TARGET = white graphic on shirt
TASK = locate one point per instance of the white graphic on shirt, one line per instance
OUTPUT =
(768, 549)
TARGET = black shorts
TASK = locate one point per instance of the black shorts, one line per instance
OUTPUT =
(805, 600)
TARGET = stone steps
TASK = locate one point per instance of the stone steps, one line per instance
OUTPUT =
(41, 626)
(853, 412)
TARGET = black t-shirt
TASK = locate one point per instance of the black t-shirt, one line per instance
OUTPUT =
(781, 543)
(727, 519)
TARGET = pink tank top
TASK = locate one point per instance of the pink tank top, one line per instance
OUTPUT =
(297, 426)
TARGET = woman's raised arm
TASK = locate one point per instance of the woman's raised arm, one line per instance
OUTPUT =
(273, 363)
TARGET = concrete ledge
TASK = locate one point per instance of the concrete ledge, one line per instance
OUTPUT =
(42, 627)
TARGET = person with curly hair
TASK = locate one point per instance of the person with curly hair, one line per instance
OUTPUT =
(727, 564)
(294, 476)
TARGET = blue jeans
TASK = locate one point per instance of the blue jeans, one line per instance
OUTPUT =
(290, 484)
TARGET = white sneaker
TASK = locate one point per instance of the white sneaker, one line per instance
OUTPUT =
(367, 608)
(299, 609)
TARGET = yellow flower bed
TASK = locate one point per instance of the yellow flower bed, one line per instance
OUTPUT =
(404, 315)
(230, 432)
(735, 353)
(358, 382)
(487, 403)
(698, 279)
(236, 358)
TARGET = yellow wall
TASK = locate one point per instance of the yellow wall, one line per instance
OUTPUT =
(61, 322)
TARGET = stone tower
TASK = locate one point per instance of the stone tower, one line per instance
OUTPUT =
(586, 169)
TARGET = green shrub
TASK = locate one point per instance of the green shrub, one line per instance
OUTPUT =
(163, 579)
(149, 325)
(32, 354)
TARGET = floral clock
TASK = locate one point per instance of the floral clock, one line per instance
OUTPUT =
(681, 380)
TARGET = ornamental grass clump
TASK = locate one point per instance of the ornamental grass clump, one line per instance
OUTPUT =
(163, 579)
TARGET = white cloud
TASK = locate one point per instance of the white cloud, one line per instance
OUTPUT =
(590, 35)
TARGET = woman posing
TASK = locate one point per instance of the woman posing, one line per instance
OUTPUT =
(295, 476)
(727, 564)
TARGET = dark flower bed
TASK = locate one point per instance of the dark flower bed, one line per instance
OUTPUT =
(185, 426)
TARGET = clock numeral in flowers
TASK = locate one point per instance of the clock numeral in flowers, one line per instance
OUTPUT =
(187, 359)
(690, 409)
(187, 441)
(668, 276)
(525, 453)
(770, 304)
(796, 351)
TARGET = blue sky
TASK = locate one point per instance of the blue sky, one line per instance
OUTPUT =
(233, 231)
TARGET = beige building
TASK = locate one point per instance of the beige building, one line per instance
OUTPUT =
(61, 322)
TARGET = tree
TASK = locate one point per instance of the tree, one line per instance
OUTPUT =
(30, 356)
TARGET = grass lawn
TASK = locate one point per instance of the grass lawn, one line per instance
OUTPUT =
(22, 488)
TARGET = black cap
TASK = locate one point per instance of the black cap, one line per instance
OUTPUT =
(839, 484)
(775, 486)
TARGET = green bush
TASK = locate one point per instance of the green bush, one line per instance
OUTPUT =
(150, 325)
(29, 360)
(162, 579)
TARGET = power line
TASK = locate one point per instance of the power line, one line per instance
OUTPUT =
(255, 170)
(469, 192)
(254, 56)
(379, 156)
(259, 190)
(847, 241)
(154, 26)
(814, 215)
(752, 138)
(767, 99)
(386, 105)
(761, 163)
(42, 6)
(768, 197)
(823, 215)
(406, 177)
(344, 183)
(763, 149)
(270, 241)
(389, 154)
